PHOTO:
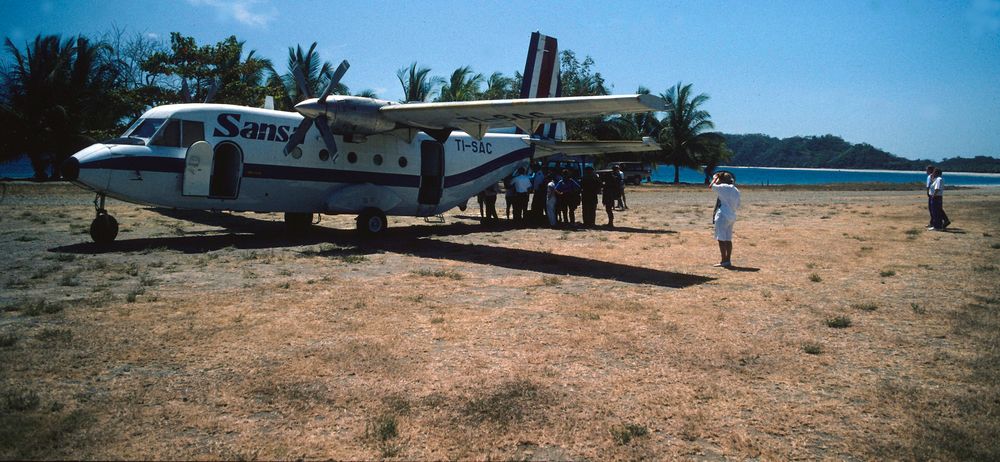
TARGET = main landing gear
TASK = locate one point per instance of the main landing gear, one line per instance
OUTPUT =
(372, 222)
(104, 228)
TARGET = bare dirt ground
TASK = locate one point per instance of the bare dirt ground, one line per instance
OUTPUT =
(848, 332)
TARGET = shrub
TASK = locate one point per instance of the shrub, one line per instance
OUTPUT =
(625, 433)
(865, 306)
(812, 348)
(815, 277)
(887, 273)
(839, 322)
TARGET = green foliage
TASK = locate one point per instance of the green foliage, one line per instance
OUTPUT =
(418, 85)
(315, 72)
(56, 96)
(684, 135)
(462, 86)
(197, 69)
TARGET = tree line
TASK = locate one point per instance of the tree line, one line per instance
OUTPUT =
(829, 151)
(59, 95)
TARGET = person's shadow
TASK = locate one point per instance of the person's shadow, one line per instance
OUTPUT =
(746, 269)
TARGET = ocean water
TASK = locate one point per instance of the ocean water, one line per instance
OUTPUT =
(782, 176)
(744, 175)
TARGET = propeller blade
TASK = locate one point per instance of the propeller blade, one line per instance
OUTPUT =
(300, 78)
(298, 136)
(324, 131)
(211, 91)
(334, 80)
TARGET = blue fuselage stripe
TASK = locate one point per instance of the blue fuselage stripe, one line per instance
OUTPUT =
(284, 172)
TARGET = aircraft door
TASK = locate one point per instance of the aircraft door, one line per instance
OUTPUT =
(198, 169)
(431, 175)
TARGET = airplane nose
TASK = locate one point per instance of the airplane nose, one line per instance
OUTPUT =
(71, 169)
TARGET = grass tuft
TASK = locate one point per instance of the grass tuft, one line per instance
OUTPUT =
(624, 434)
(815, 278)
(8, 339)
(985, 268)
(507, 404)
(20, 399)
(887, 273)
(383, 427)
(551, 280)
(40, 306)
(49, 334)
(839, 322)
(812, 348)
(865, 306)
(450, 274)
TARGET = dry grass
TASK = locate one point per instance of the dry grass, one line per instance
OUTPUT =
(189, 340)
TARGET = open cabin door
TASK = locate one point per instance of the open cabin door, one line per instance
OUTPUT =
(198, 169)
(431, 177)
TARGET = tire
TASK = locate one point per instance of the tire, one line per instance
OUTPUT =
(298, 222)
(372, 222)
(104, 229)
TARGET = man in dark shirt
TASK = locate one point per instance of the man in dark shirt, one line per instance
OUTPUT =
(591, 187)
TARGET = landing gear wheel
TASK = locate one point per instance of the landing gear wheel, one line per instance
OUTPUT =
(298, 222)
(372, 222)
(104, 228)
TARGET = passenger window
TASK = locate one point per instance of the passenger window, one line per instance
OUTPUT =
(402, 162)
(377, 159)
(192, 132)
(170, 135)
(352, 157)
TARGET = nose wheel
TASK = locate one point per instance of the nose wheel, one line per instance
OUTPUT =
(104, 228)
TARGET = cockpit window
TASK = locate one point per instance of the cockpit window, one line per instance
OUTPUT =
(143, 128)
(170, 135)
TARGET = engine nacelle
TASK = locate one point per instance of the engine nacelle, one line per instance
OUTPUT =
(349, 115)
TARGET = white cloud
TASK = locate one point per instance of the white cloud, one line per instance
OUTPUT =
(256, 13)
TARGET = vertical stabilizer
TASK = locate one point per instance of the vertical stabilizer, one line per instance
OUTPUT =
(541, 78)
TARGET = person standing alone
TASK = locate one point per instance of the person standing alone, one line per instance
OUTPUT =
(724, 185)
(939, 221)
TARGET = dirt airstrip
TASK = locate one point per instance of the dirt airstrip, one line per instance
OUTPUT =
(848, 331)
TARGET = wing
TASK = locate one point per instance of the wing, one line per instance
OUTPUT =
(474, 117)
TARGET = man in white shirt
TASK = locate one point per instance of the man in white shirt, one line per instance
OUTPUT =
(930, 200)
(939, 221)
(522, 185)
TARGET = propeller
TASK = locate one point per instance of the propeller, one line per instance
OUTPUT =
(321, 121)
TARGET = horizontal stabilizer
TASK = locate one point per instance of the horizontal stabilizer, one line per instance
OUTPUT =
(576, 148)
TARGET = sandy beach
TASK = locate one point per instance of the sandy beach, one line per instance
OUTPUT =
(847, 331)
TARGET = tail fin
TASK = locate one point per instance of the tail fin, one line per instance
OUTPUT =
(541, 79)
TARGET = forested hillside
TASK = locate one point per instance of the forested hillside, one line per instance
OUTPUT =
(829, 151)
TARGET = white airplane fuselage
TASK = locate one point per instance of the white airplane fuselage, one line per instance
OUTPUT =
(248, 171)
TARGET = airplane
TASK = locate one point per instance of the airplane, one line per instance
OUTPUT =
(341, 154)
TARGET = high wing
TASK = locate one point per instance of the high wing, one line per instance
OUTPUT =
(474, 117)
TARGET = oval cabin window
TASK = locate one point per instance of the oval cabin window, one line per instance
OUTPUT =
(377, 160)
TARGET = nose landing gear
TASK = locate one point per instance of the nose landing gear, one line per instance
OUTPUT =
(104, 228)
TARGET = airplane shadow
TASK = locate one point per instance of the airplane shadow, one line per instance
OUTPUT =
(416, 240)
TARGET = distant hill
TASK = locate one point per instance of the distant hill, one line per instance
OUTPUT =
(829, 151)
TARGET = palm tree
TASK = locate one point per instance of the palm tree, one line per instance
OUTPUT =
(58, 95)
(315, 71)
(499, 86)
(684, 137)
(418, 86)
(463, 86)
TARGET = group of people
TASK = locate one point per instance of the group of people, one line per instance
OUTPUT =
(935, 200)
(546, 196)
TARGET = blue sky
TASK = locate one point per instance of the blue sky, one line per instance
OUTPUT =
(916, 78)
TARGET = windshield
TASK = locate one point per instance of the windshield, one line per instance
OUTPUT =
(143, 128)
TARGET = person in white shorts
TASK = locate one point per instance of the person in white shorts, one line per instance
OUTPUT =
(724, 185)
